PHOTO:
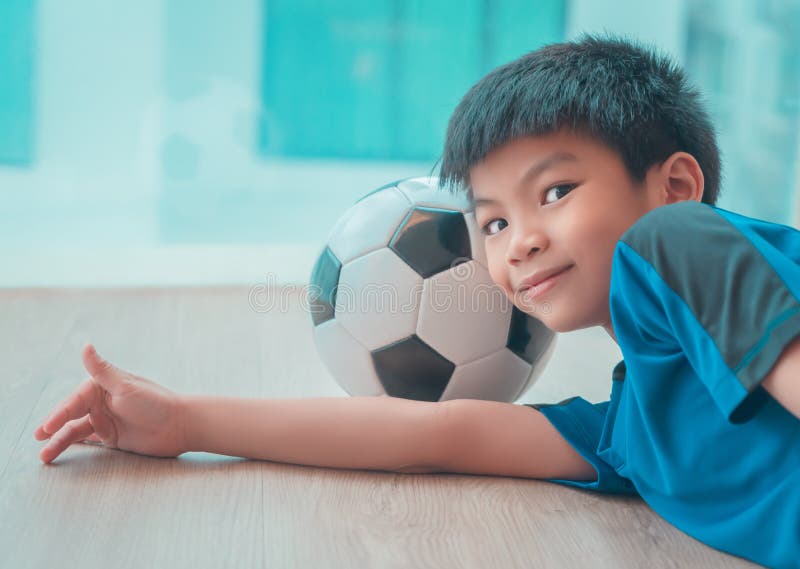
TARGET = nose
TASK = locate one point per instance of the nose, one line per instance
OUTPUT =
(524, 242)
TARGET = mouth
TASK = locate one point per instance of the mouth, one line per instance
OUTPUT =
(535, 281)
(530, 291)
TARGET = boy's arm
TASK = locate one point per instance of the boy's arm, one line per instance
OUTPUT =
(466, 436)
(783, 381)
(370, 433)
(504, 439)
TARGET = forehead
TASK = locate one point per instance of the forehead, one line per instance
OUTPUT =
(523, 160)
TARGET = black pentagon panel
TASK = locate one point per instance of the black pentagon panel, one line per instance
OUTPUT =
(527, 336)
(411, 369)
(322, 289)
(431, 240)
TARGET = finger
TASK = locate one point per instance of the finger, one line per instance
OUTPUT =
(80, 403)
(70, 433)
(102, 371)
(93, 438)
(39, 433)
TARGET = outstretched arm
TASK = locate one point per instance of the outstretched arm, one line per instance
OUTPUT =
(132, 413)
(129, 412)
(370, 433)
(466, 436)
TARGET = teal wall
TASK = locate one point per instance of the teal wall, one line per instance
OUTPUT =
(16, 82)
(379, 79)
(745, 58)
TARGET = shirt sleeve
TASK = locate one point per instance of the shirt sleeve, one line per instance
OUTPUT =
(689, 277)
(581, 424)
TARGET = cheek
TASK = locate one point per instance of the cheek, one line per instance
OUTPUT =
(496, 274)
(595, 262)
(497, 266)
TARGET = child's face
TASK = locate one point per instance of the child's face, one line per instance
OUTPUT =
(570, 214)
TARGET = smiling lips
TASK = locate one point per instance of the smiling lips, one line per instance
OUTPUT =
(539, 277)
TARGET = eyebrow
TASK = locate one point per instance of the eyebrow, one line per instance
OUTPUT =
(533, 172)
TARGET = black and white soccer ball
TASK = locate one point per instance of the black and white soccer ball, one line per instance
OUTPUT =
(403, 305)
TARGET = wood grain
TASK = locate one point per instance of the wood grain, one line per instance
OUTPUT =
(95, 507)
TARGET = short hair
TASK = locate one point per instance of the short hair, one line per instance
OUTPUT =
(632, 98)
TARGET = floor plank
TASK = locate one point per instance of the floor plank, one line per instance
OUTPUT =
(93, 507)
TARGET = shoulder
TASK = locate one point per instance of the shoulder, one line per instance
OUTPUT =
(662, 266)
(679, 223)
(681, 241)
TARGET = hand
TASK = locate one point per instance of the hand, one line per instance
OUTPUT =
(117, 408)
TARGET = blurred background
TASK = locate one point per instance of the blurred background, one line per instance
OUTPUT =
(199, 142)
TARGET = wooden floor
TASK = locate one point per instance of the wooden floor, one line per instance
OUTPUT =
(95, 507)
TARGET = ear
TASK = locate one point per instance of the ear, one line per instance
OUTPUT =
(681, 178)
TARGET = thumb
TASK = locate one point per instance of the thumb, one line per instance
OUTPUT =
(106, 374)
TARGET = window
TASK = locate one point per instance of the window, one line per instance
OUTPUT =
(16, 82)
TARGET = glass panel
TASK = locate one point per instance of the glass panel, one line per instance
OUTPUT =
(16, 82)
(745, 58)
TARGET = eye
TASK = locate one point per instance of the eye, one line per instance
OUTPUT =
(561, 187)
(492, 226)
(564, 188)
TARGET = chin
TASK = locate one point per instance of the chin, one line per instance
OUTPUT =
(539, 312)
(557, 327)
(558, 322)
(545, 312)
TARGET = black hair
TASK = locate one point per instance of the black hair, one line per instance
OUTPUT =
(632, 98)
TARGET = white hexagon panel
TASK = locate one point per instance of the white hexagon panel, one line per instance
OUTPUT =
(424, 191)
(368, 224)
(497, 377)
(349, 362)
(463, 315)
(377, 298)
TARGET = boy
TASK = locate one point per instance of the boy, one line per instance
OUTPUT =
(593, 169)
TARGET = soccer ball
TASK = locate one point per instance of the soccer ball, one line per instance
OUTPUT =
(402, 303)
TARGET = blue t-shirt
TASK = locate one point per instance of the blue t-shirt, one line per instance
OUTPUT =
(703, 301)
